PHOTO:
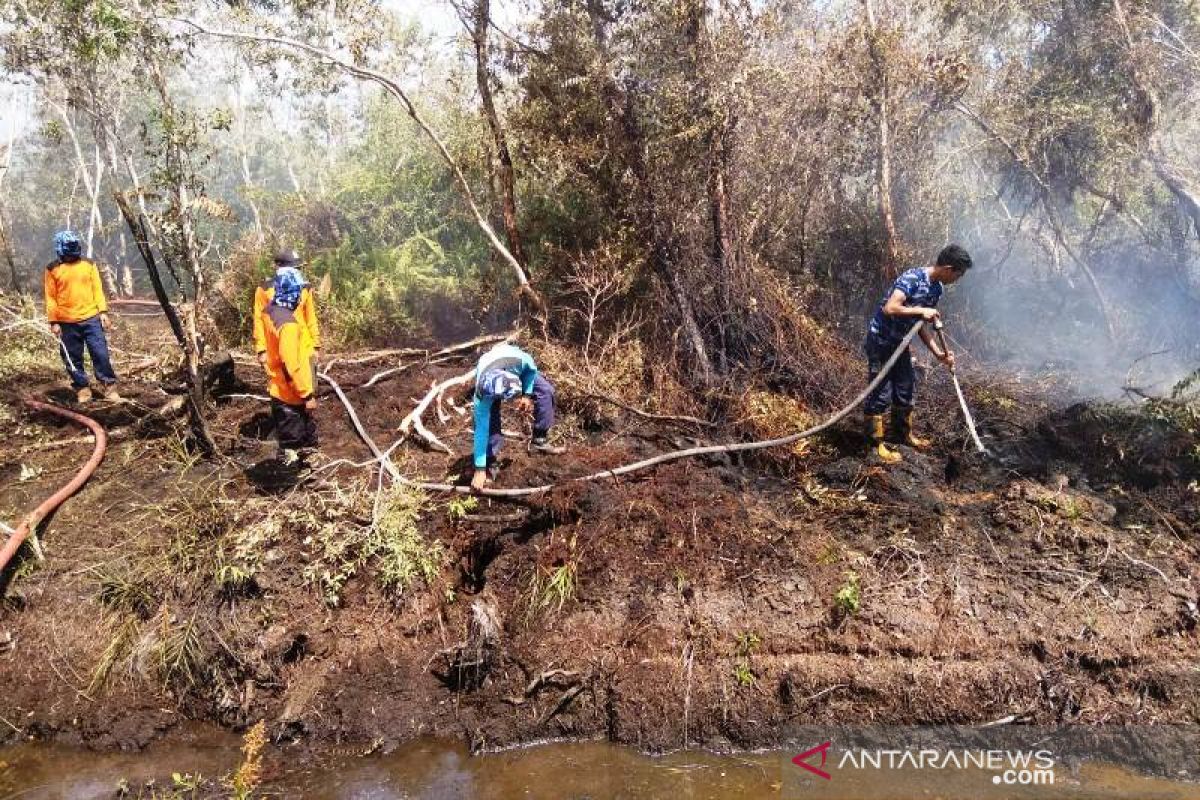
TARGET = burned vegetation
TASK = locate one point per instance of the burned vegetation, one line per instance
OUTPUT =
(687, 213)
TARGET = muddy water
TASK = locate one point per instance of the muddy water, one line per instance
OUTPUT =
(434, 770)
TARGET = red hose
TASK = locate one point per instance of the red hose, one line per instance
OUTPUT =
(35, 517)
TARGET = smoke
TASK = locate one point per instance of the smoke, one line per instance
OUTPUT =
(1030, 308)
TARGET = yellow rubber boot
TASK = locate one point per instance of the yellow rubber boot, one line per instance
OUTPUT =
(902, 420)
(874, 431)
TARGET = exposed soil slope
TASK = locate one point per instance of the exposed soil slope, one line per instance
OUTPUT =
(711, 601)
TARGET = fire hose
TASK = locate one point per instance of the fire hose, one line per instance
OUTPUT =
(34, 518)
(938, 328)
(384, 459)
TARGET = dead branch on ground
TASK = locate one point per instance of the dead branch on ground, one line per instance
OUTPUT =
(387, 373)
(626, 469)
(413, 421)
(647, 414)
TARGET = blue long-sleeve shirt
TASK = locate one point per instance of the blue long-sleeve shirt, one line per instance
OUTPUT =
(513, 360)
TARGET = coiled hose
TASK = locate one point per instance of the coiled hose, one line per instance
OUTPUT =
(34, 518)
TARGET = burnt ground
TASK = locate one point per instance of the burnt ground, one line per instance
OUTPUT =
(713, 602)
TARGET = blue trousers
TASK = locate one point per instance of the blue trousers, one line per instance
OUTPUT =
(90, 334)
(900, 385)
(543, 415)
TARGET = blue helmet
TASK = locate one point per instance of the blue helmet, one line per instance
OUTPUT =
(500, 384)
(67, 246)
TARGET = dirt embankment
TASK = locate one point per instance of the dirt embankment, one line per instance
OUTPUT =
(712, 602)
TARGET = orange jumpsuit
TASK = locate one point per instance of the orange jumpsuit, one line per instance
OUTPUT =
(306, 314)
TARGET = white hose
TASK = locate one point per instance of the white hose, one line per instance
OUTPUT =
(962, 402)
(738, 447)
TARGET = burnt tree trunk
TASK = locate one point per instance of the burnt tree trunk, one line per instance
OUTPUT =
(883, 171)
(505, 174)
(663, 242)
(725, 255)
(178, 173)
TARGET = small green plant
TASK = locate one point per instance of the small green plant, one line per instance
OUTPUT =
(186, 782)
(747, 642)
(392, 543)
(173, 651)
(403, 553)
(743, 675)
(121, 592)
(460, 506)
(119, 646)
(681, 581)
(554, 585)
(848, 598)
(1071, 509)
(1064, 505)
(561, 586)
(335, 560)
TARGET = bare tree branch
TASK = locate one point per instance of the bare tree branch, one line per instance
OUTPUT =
(393, 88)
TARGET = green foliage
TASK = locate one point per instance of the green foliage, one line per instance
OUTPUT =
(460, 506)
(848, 598)
(105, 31)
(747, 642)
(402, 258)
(186, 782)
(743, 674)
(119, 645)
(401, 552)
(176, 653)
(334, 562)
(380, 293)
(124, 591)
(553, 586)
(557, 587)
(681, 581)
(393, 543)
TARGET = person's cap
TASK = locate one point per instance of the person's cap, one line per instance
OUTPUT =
(287, 257)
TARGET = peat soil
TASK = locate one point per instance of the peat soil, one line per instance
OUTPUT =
(715, 602)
